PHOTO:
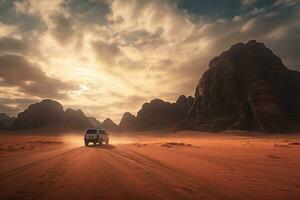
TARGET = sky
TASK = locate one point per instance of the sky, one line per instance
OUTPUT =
(107, 57)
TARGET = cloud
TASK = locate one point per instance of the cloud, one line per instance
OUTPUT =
(107, 53)
(121, 53)
(137, 41)
(88, 11)
(249, 26)
(6, 30)
(247, 2)
(25, 21)
(63, 30)
(130, 102)
(13, 106)
(43, 10)
(17, 46)
(16, 71)
(21, 46)
(286, 3)
(13, 45)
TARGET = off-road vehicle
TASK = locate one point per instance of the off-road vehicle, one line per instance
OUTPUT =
(95, 136)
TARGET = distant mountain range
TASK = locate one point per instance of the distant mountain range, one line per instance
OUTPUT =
(245, 88)
(49, 113)
(154, 115)
(157, 114)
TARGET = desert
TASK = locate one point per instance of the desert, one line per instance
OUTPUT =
(183, 165)
(140, 99)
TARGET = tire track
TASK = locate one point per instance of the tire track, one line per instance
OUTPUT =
(32, 180)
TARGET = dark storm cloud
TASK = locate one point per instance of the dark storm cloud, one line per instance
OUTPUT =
(28, 47)
(64, 29)
(24, 21)
(16, 71)
(222, 8)
(107, 53)
(81, 17)
(88, 11)
(143, 38)
(13, 45)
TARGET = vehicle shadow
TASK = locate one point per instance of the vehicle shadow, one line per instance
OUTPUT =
(102, 146)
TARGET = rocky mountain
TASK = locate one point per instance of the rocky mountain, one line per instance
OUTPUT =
(160, 114)
(51, 113)
(76, 119)
(156, 114)
(108, 124)
(183, 105)
(249, 88)
(246, 87)
(128, 122)
(95, 123)
(46, 112)
(5, 121)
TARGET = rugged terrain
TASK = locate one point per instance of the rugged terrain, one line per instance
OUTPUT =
(246, 88)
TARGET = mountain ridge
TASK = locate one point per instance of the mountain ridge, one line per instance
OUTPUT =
(246, 87)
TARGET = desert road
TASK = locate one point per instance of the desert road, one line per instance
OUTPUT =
(220, 169)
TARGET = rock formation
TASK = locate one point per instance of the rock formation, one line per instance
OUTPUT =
(160, 114)
(182, 106)
(128, 122)
(76, 119)
(246, 87)
(108, 124)
(156, 114)
(5, 121)
(51, 113)
(95, 123)
(267, 111)
(46, 112)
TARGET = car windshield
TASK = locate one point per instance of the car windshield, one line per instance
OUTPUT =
(91, 131)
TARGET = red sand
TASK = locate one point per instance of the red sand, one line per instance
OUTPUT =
(181, 166)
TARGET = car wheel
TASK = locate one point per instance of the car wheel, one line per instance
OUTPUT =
(107, 142)
(86, 143)
(100, 142)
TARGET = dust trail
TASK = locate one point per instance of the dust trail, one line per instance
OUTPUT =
(73, 140)
(76, 140)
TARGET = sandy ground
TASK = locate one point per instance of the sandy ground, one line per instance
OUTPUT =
(182, 166)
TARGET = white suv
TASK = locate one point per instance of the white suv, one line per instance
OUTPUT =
(96, 136)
